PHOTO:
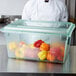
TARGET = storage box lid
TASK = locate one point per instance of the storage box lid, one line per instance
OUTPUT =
(48, 27)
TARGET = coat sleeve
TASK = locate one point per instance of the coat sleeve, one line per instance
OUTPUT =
(26, 14)
(64, 14)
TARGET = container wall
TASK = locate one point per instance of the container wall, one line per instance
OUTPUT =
(67, 47)
(37, 46)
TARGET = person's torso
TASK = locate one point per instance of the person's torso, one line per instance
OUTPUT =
(46, 11)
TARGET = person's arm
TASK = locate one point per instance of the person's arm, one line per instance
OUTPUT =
(26, 14)
(64, 14)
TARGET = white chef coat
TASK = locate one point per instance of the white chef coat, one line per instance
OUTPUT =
(54, 10)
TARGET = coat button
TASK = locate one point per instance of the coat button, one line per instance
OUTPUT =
(46, 0)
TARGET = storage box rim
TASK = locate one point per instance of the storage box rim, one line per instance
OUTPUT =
(69, 31)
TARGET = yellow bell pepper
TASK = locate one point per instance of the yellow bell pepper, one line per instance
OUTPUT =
(42, 55)
(20, 52)
(12, 45)
(31, 45)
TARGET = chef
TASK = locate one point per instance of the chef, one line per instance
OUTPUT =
(45, 10)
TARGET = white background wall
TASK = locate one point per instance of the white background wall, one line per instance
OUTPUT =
(11, 7)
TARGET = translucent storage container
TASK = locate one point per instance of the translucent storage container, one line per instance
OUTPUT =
(38, 40)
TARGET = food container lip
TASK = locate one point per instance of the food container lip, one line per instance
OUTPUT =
(15, 27)
(32, 31)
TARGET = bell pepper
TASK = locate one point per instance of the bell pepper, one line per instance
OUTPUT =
(45, 47)
(62, 50)
(38, 43)
(42, 55)
(60, 58)
(56, 51)
(31, 46)
(21, 43)
(50, 57)
(12, 46)
(20, 52)
(60, 45)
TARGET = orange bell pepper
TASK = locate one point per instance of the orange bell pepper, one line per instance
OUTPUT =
(50, 57)
(45, 47)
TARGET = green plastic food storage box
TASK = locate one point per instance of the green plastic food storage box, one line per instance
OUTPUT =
(38, 40)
